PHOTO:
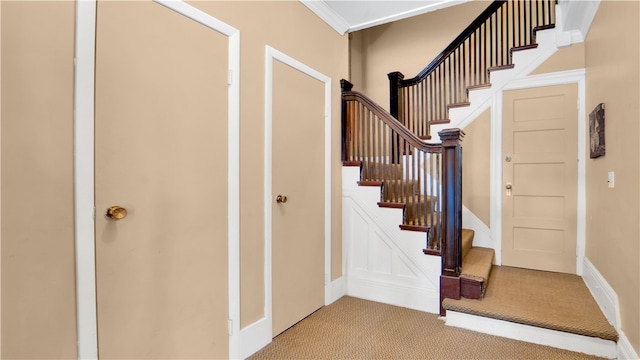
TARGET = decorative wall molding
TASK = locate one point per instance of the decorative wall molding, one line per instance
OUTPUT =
(385, 264)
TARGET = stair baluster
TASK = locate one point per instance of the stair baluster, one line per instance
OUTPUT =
(484, 46)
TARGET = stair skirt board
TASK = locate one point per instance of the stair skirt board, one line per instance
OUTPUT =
(553, 338)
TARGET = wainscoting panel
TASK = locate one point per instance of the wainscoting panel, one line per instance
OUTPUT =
(385, 264)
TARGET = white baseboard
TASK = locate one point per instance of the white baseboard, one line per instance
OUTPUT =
(625, 349)
(553, 338)
(607, 299)
(415, 298)
(604, 294)
(258, 335)
(254, 337)
(335, 290)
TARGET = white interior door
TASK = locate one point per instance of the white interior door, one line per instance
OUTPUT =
(161, 154)
(540, 178)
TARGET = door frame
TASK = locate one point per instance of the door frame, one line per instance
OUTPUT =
(271, 55)
(558, 78)
(84, 167)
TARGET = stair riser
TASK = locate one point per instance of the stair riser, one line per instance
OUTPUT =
(400, 191)
(471, 289)
(380, 172)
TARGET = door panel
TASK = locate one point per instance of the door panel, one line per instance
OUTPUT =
(161, 150)
(540, 166)
(298, 173)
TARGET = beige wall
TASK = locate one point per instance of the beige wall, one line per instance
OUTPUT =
(293, 29)
(476, 151)
(38, 283)
(38, 295)
(567, 58)
(612, 244)
(407, 46)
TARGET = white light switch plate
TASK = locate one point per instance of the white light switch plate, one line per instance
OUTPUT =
(611, 179)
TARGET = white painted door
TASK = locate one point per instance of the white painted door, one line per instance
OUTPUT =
(539, 189)
(161, 150)
(298, 174)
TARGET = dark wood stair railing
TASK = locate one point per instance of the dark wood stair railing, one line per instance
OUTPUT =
(425, 179)
(484, 46)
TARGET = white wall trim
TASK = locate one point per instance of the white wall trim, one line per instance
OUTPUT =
(604, 294)
(433, 6)
(577, 16)
(271, 55)
(84, 88)
(532, 334)
(1, 186)
(625, 349)
(337, 289)
(84, 149)
(324, 12)
(482, 233)
(254, 337)
(607, 300)
(563, 77)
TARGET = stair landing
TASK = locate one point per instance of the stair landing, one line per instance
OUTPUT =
(556, 302)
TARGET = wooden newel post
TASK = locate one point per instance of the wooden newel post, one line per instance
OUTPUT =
(451, 247)
(346, 86)
(394, 109)
(394, 93)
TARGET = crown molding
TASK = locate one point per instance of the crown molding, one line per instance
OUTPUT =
(322, 10)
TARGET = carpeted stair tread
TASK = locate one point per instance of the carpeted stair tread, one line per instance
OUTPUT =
(467, 242)
(543, 299)
(477, 264)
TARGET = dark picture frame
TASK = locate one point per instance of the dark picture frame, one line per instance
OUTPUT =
(596, 132)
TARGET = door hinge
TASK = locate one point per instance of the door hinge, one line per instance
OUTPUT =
(230, 327)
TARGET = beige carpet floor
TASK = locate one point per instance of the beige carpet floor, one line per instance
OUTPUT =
(544, 299)
(354, 328)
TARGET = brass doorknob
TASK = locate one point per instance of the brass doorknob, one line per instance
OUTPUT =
(116, 212)
(281, 199)
(509, 186)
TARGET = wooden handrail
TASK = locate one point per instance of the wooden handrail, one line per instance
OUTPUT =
(483, 46)
(423, 178)
(392, 122)
(464, 35)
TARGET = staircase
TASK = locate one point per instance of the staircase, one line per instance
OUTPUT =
(414, 176)
(402, 190)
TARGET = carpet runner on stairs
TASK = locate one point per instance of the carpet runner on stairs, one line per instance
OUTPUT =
(476, 267)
